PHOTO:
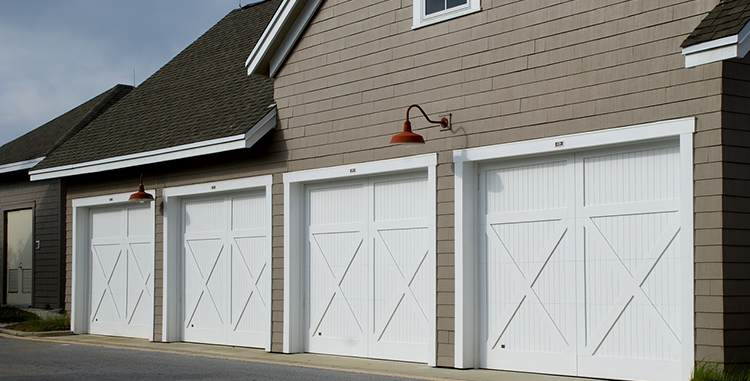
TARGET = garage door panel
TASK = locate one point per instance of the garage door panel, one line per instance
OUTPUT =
(338, 293)
(524, 188)
(121, 271)
(632, 177)
(246, 209)
(249, 303)
(106, 224)
(202, 216)
(106, 284)
(140, 284)
(135, 219)
(369, 265)
(531, 303)
(204, 295)
(400, 199)
(337, 205)
(399, 291)
(667, 271)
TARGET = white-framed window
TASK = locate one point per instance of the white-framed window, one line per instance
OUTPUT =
(427, 12)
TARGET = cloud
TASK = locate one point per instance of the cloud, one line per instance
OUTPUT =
(57, 55)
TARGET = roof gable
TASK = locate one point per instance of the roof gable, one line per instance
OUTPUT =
(201, 95)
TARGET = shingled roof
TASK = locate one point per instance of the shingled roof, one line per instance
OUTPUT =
(41, 141)
(726, 19)
(203, 93)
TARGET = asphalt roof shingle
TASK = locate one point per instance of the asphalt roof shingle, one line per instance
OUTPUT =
(203, 93)
(726, 19)
(41, 141)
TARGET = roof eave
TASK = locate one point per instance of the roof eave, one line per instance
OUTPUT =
(20, 165)
(721, 49)
(280, 36)
(229, 143)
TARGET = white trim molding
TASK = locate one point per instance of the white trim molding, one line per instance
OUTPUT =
(20, 165)
(262, 127)
(720, 49)
(172, 317)
(280, 36)
(467, 166)
(294, 206)
(81, 261)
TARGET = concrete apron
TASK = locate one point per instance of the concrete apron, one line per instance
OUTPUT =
(337, 363)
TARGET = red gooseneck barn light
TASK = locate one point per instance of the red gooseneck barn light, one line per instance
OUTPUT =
(141, 196)
(409, 137)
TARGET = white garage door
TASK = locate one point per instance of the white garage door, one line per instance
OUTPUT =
(581, 271)
(226, 268)
(369, 264)
(122, 267)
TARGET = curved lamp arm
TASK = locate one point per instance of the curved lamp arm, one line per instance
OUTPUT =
(442, 122)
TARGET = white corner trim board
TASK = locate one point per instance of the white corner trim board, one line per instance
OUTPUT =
(173, 197)
(20, 165)
(294, 228)
(468, 165)
(80, 289)
(721, 49)
(266, 124)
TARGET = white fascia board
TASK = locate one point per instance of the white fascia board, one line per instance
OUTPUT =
(292, 36)
(263, 45)
(721, 49)
(267, 123)
(20, 165)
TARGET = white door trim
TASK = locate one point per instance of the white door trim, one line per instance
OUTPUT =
(294, 236)
(81, 284)
(466, 163)
(171, 317)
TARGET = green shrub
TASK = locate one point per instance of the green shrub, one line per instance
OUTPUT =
(15, 315)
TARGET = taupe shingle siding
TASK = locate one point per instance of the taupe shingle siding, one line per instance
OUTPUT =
(517, 70)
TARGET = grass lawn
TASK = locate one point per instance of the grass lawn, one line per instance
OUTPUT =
(30, 322)
(712, 372)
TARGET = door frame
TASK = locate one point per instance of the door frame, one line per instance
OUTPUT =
(294, 237)
(467, 162)
(172, 316)
(81, 261)
(4, 211)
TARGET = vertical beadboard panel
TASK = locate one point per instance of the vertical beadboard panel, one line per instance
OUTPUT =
(338, 269)
(250, 295)
(525, 188)
(226, 269)
(368, 268)
(205, 262)
(140, 263)
(122, 258)
(638, 176)
(631, 221)
(527, 270)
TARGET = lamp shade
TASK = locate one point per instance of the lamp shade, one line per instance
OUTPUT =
(407, 136)
(141, 196)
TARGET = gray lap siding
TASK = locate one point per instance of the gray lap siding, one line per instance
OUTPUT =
(16, 192)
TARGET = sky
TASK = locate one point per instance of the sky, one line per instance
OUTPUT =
(56, 55)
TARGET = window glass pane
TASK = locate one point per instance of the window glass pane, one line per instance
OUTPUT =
(432, 6)
(455, 3)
